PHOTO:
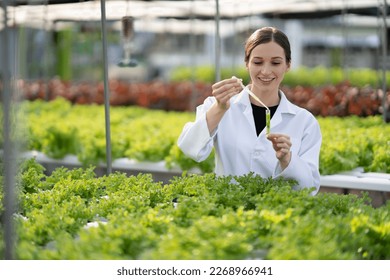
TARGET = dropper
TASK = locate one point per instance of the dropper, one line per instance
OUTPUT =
(267, 110)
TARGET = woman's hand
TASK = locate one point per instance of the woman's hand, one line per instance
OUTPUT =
(281, 144)
(224, 90)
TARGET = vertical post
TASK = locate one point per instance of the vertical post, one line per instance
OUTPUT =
(8, 149)
(217, 43)
(345, 48)
(106, 91)
(192, 39)
(386, 112)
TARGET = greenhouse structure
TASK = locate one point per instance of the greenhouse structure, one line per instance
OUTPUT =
(95, 94)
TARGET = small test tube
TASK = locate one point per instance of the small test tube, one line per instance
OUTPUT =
(267, 121)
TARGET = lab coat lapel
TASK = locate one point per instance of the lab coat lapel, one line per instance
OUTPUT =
(249, 115)
(243, 102)
(276, 118)
(285, 107)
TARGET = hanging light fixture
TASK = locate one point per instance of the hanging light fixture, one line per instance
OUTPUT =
(127, 35)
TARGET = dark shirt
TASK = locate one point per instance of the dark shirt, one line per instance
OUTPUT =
(259, 116)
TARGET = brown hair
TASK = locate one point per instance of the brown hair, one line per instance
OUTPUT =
(266, 35)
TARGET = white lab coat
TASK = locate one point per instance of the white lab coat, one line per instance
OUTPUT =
(238, 150)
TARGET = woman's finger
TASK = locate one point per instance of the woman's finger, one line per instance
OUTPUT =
(224, 90)
(281, 143)
(277, 139)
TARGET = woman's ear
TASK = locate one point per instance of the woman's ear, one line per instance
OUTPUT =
(288, 67)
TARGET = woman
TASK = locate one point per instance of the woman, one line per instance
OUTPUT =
(233, 122)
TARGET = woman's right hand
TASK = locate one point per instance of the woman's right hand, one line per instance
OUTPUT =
(224, 90)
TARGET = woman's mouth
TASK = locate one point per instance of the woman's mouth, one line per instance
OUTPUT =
(266, 80)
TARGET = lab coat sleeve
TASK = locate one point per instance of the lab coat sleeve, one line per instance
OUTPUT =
(195, 140)
(304, 164)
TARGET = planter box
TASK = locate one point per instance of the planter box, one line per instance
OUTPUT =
(377, 185)
(128, 166)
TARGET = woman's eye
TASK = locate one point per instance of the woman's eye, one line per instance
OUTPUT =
(261, 62)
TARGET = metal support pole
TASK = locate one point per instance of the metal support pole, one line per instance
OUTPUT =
(386, 112)
(345, 60)
(217, 43)
(8, 149)
(106, 91)
(192, 39)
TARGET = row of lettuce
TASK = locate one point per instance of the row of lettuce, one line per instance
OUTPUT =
(72, 214)
(58, 128)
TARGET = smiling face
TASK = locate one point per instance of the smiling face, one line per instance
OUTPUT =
(267, 58)
(267, 65)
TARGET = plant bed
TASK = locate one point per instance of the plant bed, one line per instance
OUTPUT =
(58, 129)
(376, 185)
(341, 99)
(158, 170)
(134, 217)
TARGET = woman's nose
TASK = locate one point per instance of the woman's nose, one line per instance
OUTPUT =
(266, 69)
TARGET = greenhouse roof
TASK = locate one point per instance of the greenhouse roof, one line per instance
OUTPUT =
(83, 10)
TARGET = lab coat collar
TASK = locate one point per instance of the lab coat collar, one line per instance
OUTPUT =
(285, 106)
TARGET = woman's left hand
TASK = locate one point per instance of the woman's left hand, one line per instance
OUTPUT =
(281, 144)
